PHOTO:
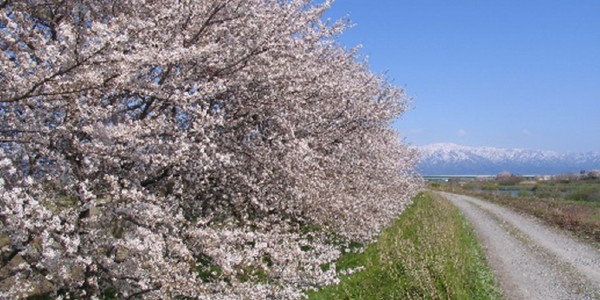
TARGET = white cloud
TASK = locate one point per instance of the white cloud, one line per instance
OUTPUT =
(461, 132)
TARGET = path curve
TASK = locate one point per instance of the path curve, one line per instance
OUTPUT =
(531, 260)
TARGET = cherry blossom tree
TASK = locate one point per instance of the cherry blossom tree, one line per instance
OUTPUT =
(162, 149)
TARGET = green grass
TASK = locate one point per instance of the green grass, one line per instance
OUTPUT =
(430, 252)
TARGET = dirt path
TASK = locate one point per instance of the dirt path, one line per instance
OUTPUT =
(531, 260)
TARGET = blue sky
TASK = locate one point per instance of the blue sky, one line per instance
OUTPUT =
(510, 74)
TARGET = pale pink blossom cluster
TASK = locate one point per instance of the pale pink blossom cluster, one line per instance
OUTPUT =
(219, 149)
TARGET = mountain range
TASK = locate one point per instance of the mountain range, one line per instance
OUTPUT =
(452, 159)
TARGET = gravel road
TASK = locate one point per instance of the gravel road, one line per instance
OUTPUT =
(531, 260)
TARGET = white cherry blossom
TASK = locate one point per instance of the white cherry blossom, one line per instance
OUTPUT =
(215, 149)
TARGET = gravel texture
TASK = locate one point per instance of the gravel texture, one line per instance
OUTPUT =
(531, 260)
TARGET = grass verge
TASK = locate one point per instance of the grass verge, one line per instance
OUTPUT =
(430, 252)
(582, 219)
(562, 204)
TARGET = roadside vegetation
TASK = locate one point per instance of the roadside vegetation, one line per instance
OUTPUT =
(567, 201)
(430, 252)
(189, 149)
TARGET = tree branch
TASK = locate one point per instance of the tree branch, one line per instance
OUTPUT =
(144, 292)
(30, 92)
(209, 21)
(149, 181)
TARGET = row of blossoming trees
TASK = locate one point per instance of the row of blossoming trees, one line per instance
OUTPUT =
(160, 149)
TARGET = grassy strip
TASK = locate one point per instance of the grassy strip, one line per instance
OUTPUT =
(430, 252)
(583, 219)
(578, 216)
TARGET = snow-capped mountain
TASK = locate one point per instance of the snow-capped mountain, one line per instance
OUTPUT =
(452, 159)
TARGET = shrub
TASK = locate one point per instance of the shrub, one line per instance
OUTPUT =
(585, 193)
(166, 149)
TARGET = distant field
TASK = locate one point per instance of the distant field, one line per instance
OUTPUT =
(568, 203)
(430, 252)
